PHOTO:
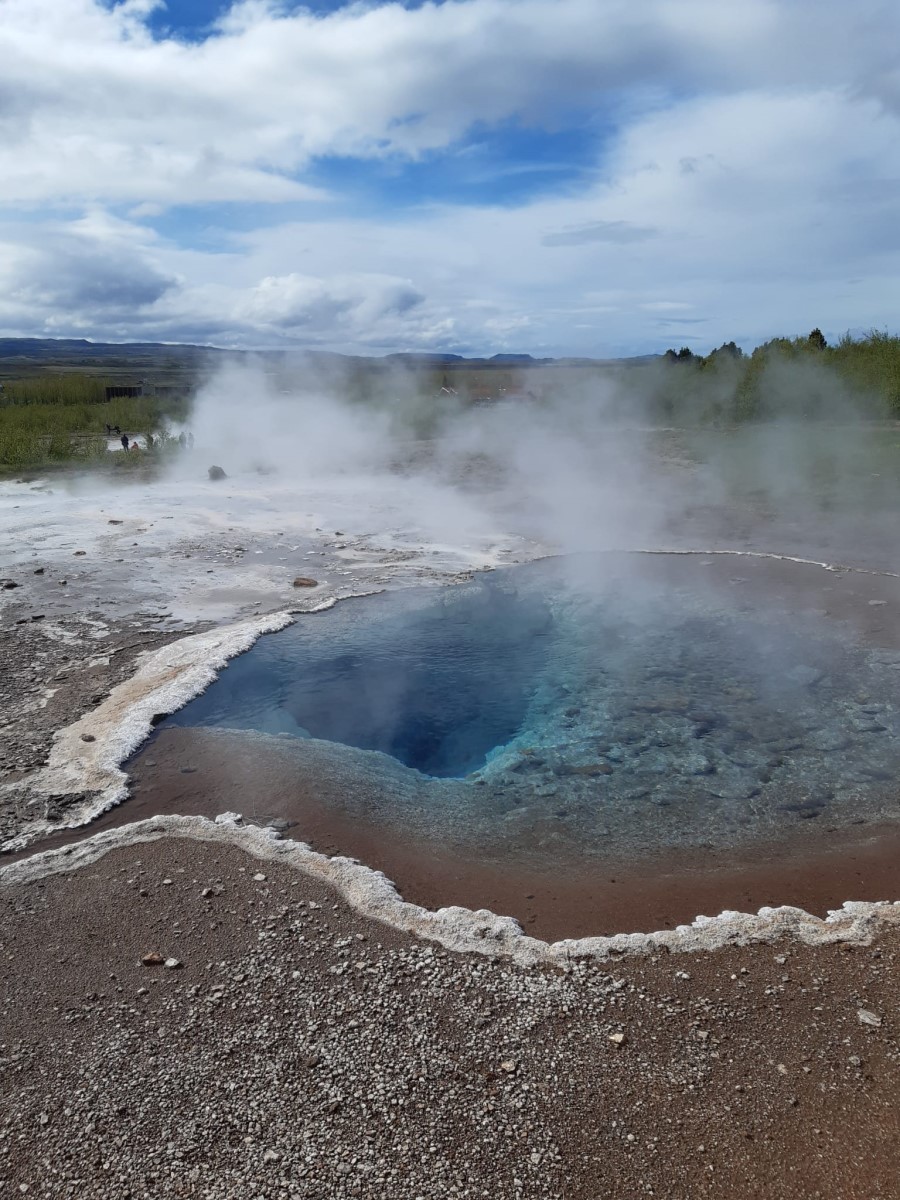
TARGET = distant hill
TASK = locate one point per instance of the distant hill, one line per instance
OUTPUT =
(181, 364)
(82, 353)
(69, 349)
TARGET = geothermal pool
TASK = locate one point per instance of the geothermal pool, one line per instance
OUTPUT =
(578, 710)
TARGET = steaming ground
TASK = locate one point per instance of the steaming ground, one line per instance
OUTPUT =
(359, 499)
(300, 1049)
(191, 549)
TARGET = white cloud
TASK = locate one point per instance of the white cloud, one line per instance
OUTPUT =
(93, 106)
(748, 176)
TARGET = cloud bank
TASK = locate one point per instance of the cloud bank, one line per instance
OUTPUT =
(474, 175)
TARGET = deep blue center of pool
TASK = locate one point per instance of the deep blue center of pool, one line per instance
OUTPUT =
(436, 685)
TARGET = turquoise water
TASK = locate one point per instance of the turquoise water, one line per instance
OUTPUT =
(436, 680)
(613, 709)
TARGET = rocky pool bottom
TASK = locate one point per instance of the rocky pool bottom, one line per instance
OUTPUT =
(778, 790)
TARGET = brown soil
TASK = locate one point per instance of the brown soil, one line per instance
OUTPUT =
(300, 1050)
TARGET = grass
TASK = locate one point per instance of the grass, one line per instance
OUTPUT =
(60, 417)
(63, 419)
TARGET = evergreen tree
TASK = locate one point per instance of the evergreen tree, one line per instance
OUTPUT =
(817, 340)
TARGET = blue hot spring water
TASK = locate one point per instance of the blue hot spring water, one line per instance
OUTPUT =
(529, 712)
(436, 681)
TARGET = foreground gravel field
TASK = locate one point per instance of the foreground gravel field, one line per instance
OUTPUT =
(298, 1049)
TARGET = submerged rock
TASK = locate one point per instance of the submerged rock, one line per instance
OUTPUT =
(805, 676)
(829, 740)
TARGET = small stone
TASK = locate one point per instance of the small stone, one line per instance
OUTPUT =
(303, 581)
(271, 1156)
(9, 584)
(173, 964)
(152, 959)
(207, 891)
(80, 553)
(618, 1038)
(39, 570)
(805, 676)
(216, 473)
(509, 1065)
(829, 740)
(781, 1069)
(113, 521)
(43, 1119)
(868, 1018)
(259, 877)
(88, 737)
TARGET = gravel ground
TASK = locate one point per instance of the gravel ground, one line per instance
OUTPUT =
(54, 670)
(301, 1050)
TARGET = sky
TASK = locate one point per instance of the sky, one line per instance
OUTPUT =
(553, 177)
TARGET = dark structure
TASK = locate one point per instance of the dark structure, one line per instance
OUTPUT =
(117, 391)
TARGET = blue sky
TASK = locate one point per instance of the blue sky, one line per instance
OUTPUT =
(196, 19)
(479, 176)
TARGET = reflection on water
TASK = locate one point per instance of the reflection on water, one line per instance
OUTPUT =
(580, 709)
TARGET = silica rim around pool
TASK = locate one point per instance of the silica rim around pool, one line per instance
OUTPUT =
(373, 896)
(168, 678)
